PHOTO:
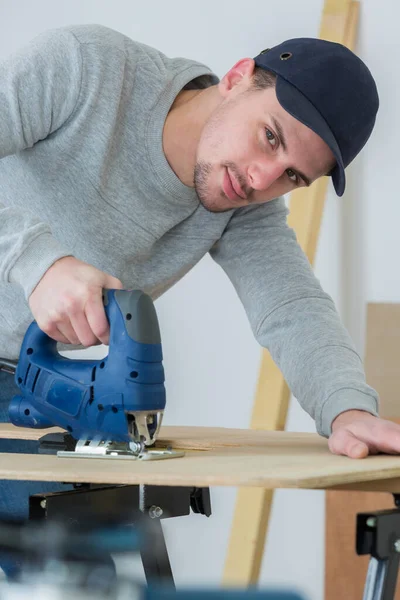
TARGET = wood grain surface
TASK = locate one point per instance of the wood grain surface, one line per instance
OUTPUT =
(214, 457)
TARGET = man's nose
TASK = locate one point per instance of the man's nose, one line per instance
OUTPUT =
(262, 174)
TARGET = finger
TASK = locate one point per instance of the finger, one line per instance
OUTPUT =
(97, 318)
(358, 450)
(380, 435)
(344, 442)
(51, 329)
(113, 283)
(83, 329)
(59, 337)
(387, 437)
(67, 331)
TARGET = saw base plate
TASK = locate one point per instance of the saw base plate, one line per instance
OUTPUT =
(159, 454)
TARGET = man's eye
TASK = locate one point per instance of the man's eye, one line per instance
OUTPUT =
(270, 137)
(292, 176)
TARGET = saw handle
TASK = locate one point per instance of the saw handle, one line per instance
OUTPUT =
(129, 312)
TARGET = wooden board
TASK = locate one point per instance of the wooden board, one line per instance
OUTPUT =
(195, 438)
(266, 459)
(382, 356)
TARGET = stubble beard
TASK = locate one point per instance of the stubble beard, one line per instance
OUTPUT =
(202, 172)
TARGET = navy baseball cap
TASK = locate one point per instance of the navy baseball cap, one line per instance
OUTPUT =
(325, 86)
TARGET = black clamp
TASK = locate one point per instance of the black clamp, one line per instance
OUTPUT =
(200, 501)
(378, 534)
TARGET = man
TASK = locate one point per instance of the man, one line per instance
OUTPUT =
(122, 168)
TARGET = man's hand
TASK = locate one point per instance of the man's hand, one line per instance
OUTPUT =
(357, 433)
(67, 302)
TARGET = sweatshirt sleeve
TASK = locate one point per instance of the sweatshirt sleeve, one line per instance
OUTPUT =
(291, 315)
(39, 89)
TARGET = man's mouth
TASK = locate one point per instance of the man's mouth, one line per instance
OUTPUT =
(232, 187)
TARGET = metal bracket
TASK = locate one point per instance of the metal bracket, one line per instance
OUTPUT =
(63, 444)
(111, 450)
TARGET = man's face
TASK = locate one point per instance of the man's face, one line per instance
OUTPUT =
(251, 150)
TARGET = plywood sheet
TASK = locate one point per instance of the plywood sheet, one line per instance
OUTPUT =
(276, 459)
(196, 438)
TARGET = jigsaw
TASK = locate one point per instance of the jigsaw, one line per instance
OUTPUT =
(110, 407)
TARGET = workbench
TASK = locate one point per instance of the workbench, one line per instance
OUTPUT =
(215, 456)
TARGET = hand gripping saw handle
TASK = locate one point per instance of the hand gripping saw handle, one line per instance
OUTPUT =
(120, 397)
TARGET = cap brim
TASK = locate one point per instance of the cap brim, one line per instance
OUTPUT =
(296, 104)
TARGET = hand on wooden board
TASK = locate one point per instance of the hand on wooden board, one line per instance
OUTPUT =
(357, 434)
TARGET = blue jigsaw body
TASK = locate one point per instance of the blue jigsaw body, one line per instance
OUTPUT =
(92, 398)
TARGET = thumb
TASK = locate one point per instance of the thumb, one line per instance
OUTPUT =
(345, 442)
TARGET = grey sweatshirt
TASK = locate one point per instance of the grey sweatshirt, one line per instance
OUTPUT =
(83, 173)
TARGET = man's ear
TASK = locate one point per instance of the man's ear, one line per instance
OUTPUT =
(240, 73)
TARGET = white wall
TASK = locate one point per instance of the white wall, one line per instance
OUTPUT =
(211, 358)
